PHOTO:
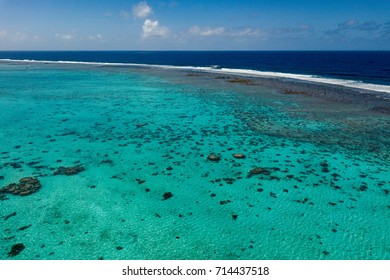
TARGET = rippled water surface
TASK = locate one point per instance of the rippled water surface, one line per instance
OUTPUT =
(138, 185)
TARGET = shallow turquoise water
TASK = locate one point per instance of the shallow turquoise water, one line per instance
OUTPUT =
(140, 134)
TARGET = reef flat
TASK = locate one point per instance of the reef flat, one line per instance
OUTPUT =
(142, 163)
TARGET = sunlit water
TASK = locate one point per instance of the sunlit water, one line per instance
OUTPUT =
(142, 134)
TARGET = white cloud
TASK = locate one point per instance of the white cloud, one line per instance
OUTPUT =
(97, 37)
(3, 33)
(247, 32)
(153, 29)
(74, 37)
(141, 10)
(206, 31)
(66, 37)
(221, 31)
(18, 36)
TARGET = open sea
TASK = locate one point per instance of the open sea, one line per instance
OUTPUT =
(194, 155)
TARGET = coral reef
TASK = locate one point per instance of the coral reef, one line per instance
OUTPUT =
(214, 157)
(26, 186)
(16, 249)
(73, 170)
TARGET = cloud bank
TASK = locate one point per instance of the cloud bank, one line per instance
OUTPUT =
(206, 31)
(141, 10)
(153, 29)
(221, 31)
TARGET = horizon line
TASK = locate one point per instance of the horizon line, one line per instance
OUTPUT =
(108, 50)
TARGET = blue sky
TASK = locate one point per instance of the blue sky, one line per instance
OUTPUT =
(194, 25)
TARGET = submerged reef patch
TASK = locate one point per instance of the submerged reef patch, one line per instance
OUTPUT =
(214, 157)
(16, 249)
(239, 156)
(26, 186)
(257, 171)
(381, 109)
(73, 170)
(167, 195)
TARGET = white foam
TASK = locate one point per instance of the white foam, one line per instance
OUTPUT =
(310, 78)
(238, 72)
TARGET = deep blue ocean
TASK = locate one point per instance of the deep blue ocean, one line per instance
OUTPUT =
(364, 66)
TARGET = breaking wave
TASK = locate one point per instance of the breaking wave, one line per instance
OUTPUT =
(229, 71)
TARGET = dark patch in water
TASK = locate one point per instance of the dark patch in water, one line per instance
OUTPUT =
(24, 227)
(167, 195)
(381, 109)
(16, 249)
(26, 186)
(73, 170)
(140, 181)
(107, 161)
(9, 216)
(223, 202)
(14, 165)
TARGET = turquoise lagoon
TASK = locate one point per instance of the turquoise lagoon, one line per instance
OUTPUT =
(141, 133)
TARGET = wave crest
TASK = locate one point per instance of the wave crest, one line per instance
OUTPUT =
(238, 72)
